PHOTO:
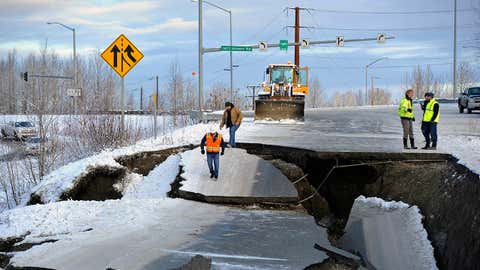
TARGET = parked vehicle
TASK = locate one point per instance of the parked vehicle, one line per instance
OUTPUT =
(470, 100)
(20, 130)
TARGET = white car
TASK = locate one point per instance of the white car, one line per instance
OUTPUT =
(470, 100)
(19, 130)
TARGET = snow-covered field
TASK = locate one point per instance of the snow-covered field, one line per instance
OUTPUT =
(67, 143)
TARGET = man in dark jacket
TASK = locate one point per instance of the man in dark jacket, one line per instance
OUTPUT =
(214, 143)
(431, 115)
(232, 118)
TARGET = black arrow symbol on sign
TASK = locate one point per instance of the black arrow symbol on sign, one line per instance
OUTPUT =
(129, 52)
(115, 51)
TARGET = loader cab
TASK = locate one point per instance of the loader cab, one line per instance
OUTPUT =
(281, 75)
(286, 80)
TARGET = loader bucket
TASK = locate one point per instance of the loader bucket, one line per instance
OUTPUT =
(276, 110)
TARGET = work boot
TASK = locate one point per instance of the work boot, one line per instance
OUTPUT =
(412, 143)
(405, 145)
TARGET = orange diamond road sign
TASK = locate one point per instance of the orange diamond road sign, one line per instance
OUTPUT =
(122, 55)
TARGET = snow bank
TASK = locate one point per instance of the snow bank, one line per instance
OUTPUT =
(157, 183)
(55, 183)
(61, 219)
(142, 198)
(390, 235)
(465, 148)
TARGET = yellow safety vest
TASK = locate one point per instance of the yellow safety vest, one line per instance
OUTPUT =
(428, 114)
(405, 104)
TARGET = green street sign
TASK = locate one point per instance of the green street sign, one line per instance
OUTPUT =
(236, 48)
(283, 45)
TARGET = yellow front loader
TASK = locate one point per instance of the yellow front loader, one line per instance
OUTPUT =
(283, 95)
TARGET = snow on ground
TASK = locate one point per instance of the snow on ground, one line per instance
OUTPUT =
(280, 122)
(356, 133)
(386, 233)
(63, 178)
(157, 183)
(465, 148)
(142, 198)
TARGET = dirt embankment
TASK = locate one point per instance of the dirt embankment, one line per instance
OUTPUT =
(104, 182)
(447, 193)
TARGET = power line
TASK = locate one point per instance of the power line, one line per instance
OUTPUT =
(382, 67)
(447, 27)
(389, 12)
(274, 18)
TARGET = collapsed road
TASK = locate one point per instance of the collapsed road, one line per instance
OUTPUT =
(135, 231)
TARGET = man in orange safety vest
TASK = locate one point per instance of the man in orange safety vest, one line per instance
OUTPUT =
(215, 147)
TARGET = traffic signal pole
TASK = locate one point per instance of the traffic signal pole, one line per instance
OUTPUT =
(297, 36)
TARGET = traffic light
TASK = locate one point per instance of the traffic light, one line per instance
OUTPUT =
(25, 76)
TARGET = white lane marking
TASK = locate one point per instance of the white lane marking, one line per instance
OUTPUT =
(218, 255)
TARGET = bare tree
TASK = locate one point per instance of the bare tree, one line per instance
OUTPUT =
(466, 76)
(315, 97)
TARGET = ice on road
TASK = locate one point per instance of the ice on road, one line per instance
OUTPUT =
(241, 175)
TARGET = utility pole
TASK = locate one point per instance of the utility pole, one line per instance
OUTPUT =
(371, 97)
(231, 57)
(200, 55)
(455, 48)
(366, 76)
(175, 102)
(141, 98)
(372, 101)
(156, 110)
(297, 36)
(75, 77)
(229, 12)
(297, 28)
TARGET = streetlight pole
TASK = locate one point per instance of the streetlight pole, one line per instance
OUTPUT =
(231, 57)
(231, 39)
(156, 109)
(366, 75)
(455, 48)
(200, 55)
(373, 91)
(74, 56)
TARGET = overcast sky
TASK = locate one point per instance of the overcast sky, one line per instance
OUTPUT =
(165, 30)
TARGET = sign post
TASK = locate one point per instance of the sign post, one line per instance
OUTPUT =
(122, 56)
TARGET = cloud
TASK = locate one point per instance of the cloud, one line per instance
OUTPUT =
(173, 24)
(329, 50)
(124, 8)
(28, 46)
(397, 49)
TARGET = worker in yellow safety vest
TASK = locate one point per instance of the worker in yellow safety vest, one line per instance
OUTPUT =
(431, 115)
(215, 145)
(405, 112)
